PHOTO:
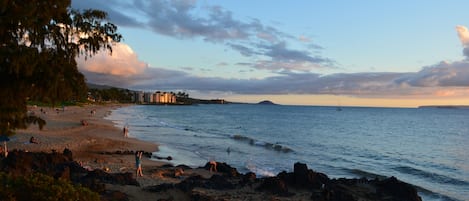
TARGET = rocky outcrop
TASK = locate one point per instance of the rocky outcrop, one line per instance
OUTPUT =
(323, 188)
(290, 184)
(225, 169)
(226, 184)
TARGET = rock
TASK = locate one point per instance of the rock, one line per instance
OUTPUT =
(400, 190)
(219, 182)
(190, 183)
(225, 169)
(275, 185)
(115, 178)
(159, 188)
(115, 196)
(184, 167)
(304, 177)
(248, 178)
(301, 180)
(68, 153)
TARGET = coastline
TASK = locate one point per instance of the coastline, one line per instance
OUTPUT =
(95, 145)
(65, 130)
(101, 145)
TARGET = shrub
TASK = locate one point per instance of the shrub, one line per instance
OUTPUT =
(41, 187)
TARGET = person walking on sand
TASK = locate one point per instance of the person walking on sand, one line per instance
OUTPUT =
(138, 163)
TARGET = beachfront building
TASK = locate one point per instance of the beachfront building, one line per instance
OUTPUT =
(139, 97)
(155, 98)
(165, 98)
(148, 97)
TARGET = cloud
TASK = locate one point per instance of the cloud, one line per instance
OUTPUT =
(280, 52)
(124, 69)
(463, 35)
(185, 19)
(122, 62)
(266, 48)
(114, 13)
(104, 68)
(444, 74)
(243, 50)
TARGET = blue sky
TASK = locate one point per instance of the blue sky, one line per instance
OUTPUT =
(375, 53)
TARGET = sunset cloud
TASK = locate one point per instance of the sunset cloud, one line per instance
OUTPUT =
(179, 19)
(122, 62)
(123, 69)
(463, 35)
(292, 66)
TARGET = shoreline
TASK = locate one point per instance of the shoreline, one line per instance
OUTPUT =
(64, 129)
(101, 145)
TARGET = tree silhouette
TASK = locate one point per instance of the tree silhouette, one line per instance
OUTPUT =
(39, 42)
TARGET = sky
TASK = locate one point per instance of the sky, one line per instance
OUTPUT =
(349, 53)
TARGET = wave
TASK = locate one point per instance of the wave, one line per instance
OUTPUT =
(366, 174)
(267, 145)
(262, 172)
(434, 177)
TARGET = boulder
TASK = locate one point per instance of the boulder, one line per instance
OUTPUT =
(224, 169)
(274, 185)
(398, 189)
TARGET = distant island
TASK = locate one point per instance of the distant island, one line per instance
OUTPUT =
(266, 102)
(445, 106)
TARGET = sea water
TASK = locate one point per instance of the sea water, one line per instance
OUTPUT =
(426, 147)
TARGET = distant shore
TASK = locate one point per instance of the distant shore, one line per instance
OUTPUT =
(446, 106)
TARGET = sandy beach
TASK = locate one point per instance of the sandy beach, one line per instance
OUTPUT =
(93, 145)
(64, 129)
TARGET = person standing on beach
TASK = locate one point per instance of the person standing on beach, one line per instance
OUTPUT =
(138, 163)
(126, 131)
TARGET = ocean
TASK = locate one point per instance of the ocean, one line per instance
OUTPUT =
(426, 147)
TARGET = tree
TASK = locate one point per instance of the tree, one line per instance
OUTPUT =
(39, 42)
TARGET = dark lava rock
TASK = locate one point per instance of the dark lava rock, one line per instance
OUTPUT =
(159, 188)
(398, 189)
(275, 185)
(304, 177)
(248, 178)
(114, 196)
(217, 182)
(225, 169)
(115, 178)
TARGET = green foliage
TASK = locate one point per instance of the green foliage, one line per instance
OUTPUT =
(112, 94)
(39, 42)
(41, 187)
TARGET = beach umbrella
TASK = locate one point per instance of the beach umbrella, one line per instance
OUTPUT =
(4, 139)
